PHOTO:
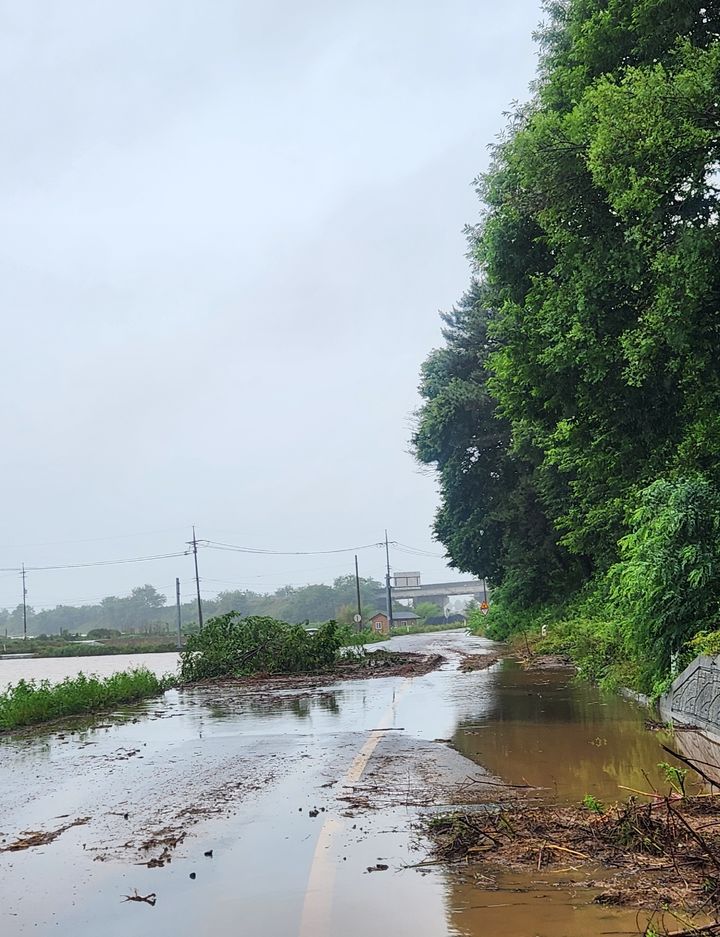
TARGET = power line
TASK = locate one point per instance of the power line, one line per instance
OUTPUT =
(215, 545)
(122, 562)
(416, 551)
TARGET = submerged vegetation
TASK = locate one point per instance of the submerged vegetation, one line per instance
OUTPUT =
(573, 414)
(30, 702)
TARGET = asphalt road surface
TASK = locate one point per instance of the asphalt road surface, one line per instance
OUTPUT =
(308, 801)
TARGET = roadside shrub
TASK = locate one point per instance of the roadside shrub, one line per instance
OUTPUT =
(667, 583)
(230, 645)
(704, 642)
(592, 643)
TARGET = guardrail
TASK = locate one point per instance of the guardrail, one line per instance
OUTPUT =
(694, 697)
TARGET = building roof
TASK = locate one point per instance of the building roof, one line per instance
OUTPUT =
(405, 615)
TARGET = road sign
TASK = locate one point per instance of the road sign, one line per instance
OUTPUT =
(357, 618)
(484, 608)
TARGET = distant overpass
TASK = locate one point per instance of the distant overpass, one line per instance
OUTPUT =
(407, 586)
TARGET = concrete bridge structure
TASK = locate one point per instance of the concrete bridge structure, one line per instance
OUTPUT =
(407, 586)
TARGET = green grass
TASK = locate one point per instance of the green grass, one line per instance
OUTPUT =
(30, 702)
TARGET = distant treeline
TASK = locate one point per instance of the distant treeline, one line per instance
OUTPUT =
(147, 611)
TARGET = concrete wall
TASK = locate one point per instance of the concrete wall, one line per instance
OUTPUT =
(694, 697)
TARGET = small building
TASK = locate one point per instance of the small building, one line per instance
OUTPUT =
(379, 621)
(380, 624)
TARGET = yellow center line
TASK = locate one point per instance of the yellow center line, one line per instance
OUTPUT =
(317, 907)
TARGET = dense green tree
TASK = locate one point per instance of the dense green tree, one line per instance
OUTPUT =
(17, 618)
(668, 580)
(580, 378)
(491, 520)
(427, 610)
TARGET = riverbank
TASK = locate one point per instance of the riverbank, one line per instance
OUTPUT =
(59, 647)
(30, 703)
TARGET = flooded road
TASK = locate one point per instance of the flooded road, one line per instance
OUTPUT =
(297, 794)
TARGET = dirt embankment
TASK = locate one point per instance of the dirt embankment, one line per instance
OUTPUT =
(379, 663)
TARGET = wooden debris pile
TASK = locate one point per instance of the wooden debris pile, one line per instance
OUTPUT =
(666, 852)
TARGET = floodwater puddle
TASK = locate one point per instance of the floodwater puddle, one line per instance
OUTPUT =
(522, 905)
(554, 732)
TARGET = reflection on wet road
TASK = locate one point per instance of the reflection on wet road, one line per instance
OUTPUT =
(551, 731)
(271, 786)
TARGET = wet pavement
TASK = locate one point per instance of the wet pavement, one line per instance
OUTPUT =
(298, 796)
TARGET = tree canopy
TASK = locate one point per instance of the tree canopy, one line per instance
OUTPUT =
(579, 381)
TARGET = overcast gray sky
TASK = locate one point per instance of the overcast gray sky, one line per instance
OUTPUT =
(228, 228)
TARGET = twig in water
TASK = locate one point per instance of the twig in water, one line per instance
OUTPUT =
(693, 765)
(148, 899)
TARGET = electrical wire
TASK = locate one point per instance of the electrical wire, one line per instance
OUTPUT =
(134, 559)
(215, 545)
(89, 600)
(416, 551)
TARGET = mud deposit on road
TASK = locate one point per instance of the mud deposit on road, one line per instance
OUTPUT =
(292, 806)
(270, 689)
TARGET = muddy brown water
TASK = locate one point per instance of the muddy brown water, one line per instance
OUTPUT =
(562, 736)
(241, 776)
(56, 669)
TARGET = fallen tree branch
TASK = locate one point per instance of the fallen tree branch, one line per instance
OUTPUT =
(693, 765)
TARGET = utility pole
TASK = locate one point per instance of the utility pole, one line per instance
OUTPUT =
(194, 545)
(24, 605)
(358, 617)
(387, 583)
(177, 602)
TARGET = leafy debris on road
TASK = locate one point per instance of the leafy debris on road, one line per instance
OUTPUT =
(471, 662)
(667, 850)
(41, 837)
